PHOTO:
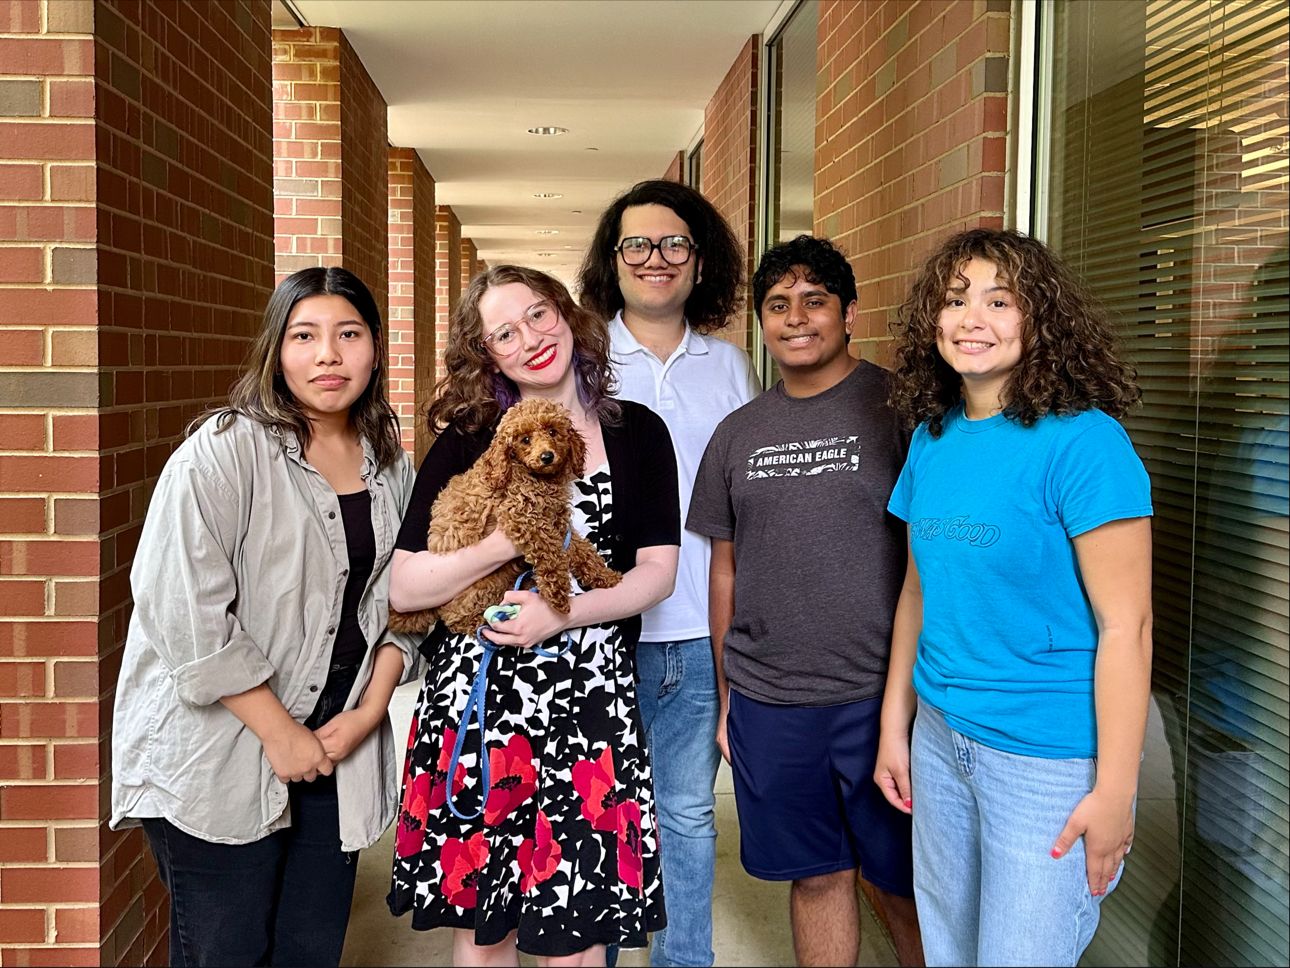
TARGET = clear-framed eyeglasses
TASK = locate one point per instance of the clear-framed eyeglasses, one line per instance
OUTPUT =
(541, 317)
(636, 249)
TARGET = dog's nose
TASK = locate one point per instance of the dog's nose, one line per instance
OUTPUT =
(546, 457)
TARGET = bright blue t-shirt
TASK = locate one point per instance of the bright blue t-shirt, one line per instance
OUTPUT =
(1009, 637)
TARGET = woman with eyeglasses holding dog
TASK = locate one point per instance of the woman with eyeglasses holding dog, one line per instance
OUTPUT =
(559, 856)
(250, 734)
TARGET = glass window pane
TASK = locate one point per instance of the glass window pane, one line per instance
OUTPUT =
(1168, 191)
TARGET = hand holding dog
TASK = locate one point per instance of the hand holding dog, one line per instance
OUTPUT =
(536, 622)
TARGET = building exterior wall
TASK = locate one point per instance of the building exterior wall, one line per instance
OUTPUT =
(447, 276)
(330, 159)
(910, 143)
(137, 195)
(730, 162)
(412, 284)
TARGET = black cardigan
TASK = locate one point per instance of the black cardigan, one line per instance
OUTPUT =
(642, 469)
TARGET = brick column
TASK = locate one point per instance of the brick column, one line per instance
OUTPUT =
(135, 214)
(412, 295)
(49, 486)
(469, 262)
(910, 137)
(730, 163)
(447, 276)
(331, 159)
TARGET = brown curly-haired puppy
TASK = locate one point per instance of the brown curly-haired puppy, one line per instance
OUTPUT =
(522, 485)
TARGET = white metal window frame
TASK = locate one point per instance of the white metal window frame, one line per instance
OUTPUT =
(1029, 151)
(770, 36)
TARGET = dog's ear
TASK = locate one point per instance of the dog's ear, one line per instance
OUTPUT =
(495, 464)
(577, 450)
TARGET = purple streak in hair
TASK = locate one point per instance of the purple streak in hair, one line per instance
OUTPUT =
(507, 395)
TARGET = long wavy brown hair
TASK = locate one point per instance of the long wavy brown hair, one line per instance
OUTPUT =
(473, 394)
(1069, 361)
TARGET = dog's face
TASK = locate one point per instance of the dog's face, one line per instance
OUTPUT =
(539, 436)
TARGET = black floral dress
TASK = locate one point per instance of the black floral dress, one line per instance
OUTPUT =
(565, 851)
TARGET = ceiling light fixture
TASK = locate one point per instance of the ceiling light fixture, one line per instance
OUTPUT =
(547, 232)
(547, 130)
(548, 195)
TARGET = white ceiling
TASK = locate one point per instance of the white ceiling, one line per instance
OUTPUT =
(465, 78)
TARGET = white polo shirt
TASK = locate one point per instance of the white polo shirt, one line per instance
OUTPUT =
(703, 380)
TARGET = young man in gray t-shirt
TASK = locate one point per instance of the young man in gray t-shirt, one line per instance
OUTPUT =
(806, 569)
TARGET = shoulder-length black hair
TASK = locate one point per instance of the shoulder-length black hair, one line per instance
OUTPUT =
(261, 393)
(473, 393)
(1069, 361)
(714, 300)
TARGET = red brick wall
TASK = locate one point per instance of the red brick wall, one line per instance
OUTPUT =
(49, 485)
(330, 159)
(306, 149)
(364, 165)
(730, 161)
(130, 341)
(412, 283)
(469, 262)
(447, 277)
(911, 125)
(676, 170)
(186, 266)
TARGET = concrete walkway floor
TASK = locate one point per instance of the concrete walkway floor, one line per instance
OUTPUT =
(750, 916)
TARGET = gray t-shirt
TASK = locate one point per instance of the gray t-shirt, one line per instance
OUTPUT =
(800, 485)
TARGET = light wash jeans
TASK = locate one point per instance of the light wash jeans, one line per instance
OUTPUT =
(678, 704)
(988, 890)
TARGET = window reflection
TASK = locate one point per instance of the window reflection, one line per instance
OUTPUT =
(1168, 190)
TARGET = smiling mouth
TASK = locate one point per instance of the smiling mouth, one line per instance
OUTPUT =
(541, 359)
(800, 339)
(655, 278)
(968, 344)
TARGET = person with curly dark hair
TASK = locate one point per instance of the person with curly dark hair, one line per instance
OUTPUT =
(665, 271)
(806, 569)
(534, 832)
(1022, 636)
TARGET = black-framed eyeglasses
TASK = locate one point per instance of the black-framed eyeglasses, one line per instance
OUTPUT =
(636, 249)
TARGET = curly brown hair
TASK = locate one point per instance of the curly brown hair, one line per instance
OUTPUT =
(1068, 358)
(473, 394)
(713, 301)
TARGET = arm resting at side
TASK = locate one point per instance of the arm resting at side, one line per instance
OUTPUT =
(721, 611)
(344, 731)
(1115, 564)
(899, 702)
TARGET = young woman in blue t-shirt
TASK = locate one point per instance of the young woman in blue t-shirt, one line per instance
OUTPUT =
(1023, 631)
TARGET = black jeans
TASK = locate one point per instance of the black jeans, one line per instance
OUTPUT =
(283, 900)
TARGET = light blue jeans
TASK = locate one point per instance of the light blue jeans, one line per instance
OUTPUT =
(678, 704)
(988, 890)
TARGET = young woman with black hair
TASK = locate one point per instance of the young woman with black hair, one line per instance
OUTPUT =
(250, 734)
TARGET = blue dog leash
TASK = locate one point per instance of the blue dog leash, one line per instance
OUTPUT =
(475, 710)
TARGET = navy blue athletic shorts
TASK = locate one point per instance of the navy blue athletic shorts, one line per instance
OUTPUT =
(806, 798)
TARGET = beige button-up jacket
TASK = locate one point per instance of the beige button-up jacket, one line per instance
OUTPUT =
(238, 580)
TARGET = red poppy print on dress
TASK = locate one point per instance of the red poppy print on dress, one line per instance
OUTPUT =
(439, 785)
(410, 838)
(539, 855)
(460, 862)
(630, 864)
(594, 782)
(514, 778)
